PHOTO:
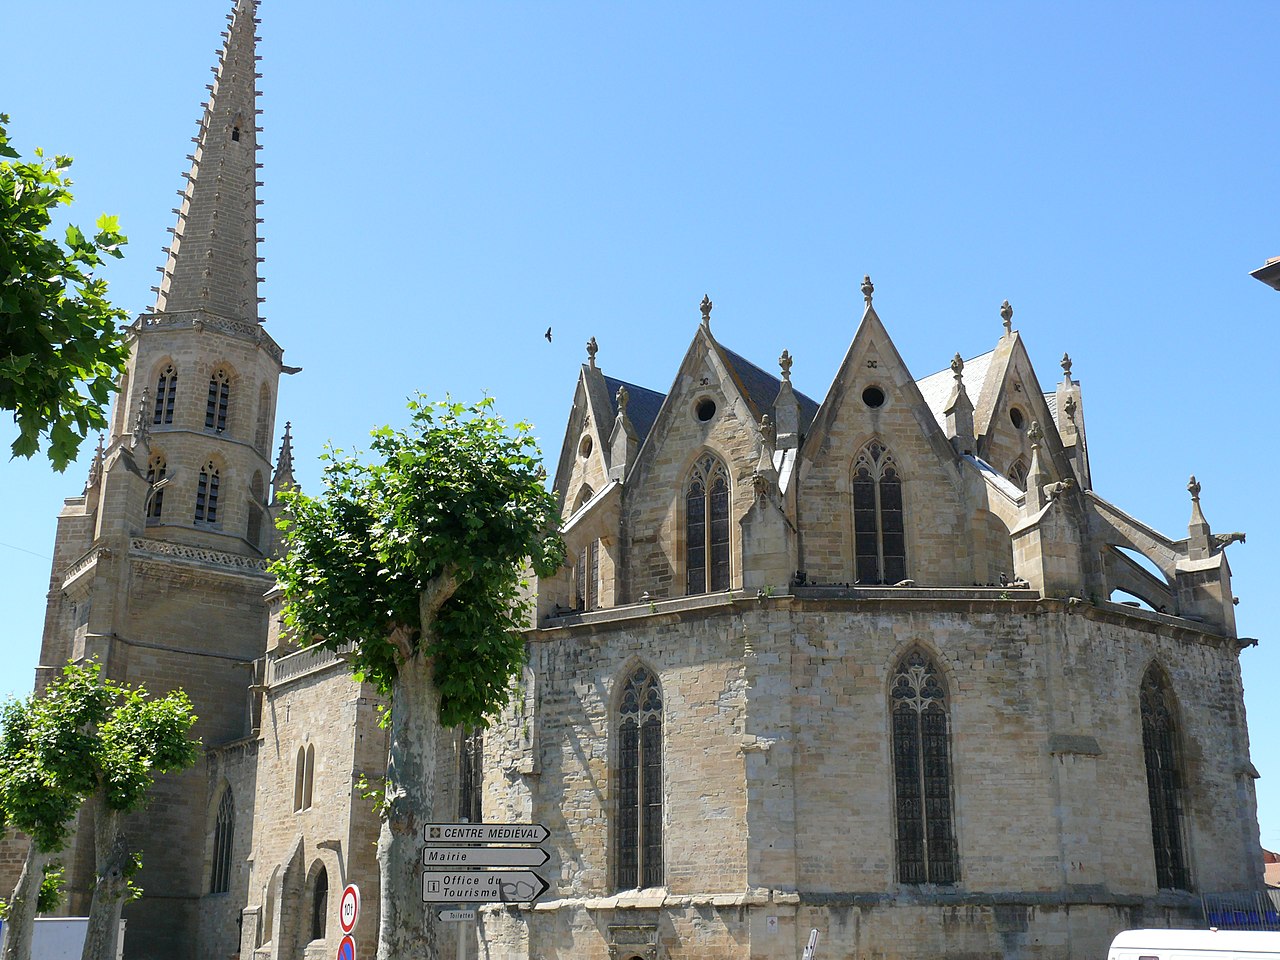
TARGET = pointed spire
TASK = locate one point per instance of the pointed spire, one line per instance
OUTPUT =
(213, 262)
(141, 429)
(959, 411)
(283, 478)
(95, 465)
(786, 408)
(1006, 314)
(1198, 529)
(1036, 476)
(624, 442)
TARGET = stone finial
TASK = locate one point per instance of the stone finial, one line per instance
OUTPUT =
(1066, 367)
(623, 398)
(1035, 434)
(705, 306)
(141, 431)
(1070, 408)
(283, 479)
(1193, 486)
(784, 362)
(1006, 314)
(592, 349)
(957, 366)
(95, 465)
(768, 431)
(867, 289)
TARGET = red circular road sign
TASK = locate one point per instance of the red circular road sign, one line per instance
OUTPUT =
(347, 948)
(349, 913)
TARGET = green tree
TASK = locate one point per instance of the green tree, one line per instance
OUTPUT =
(417, 559)
(92, 739)
(60, 338)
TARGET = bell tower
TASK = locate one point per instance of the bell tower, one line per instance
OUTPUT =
(160, 567)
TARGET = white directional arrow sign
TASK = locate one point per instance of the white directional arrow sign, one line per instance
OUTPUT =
(484, 856)
(484, 833)
(476, 886)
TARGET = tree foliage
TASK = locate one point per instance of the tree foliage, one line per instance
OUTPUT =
(456, 495)
(61, 347)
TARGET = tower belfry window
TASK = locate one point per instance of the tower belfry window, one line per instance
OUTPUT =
(926, 845)
(706, 502)
(156, 468)
(879, 539)
(207, 494)
(215, 413)
(166, 393)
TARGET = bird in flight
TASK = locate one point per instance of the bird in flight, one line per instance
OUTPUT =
(548, 334)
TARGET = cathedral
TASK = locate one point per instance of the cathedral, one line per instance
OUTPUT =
(880, 664)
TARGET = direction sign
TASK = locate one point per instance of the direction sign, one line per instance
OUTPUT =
(349, 908)
(484, 857)
(456, 916)
(347, 949)
(476, 886)
(484, 833)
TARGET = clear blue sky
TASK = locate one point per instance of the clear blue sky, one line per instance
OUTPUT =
(444, 181)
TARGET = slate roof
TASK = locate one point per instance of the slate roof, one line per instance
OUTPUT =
(643, 404)
(936, 388)
(761, 389)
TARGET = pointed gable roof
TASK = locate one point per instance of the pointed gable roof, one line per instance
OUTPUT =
(642, 407)
(213, 263)
(760, 389)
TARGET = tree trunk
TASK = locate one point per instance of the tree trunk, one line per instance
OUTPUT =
(20, 925)
(111, 854)
(407, 928)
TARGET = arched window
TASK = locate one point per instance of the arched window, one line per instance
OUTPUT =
(299, 778)
(215, 411)
(262, 434)
(706, 511)
(207, 494)
(1018, 473)
(587, 577)
(223, 839)
(270, 898)
(156, 468)
(880, 545)
(926, 843)
(253, 531)
(1164, 790)
(471, 776)
(309, 778)
(585, 494)
(166, 394)
(639, 780)
(319, 904)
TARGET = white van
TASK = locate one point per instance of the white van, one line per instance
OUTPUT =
(1195, 945)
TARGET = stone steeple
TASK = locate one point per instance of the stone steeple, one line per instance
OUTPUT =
(213, 261)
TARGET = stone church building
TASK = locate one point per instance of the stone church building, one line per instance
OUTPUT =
(880, 664)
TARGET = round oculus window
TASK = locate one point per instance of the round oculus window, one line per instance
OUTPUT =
(584, 448)
(1016, 418)
(704, 409)
(873, 397)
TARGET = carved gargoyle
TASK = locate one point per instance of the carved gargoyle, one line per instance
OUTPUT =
(1054, 490)
(1223, 540)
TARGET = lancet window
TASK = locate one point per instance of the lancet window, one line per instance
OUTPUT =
(207, 494)
(880, 543)
(223, 840)
(639, 782)
(706, 504)
(1164, 780)
(215, 412)
(166, 396)
(587, 577)
(471, 776)
(156, 468)
(1018, 473)
(319, 903)
(926, 846)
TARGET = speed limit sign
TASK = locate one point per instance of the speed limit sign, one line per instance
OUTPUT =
(349, 908)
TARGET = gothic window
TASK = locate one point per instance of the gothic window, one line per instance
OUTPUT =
(166, 393)
(156, 468)
(926, 846)
(215, 411)
(309, 777)
(1018, 473)
(471, 776)
(1164, 780)
(262, 433)
(880, 544)
(706, 504)
(587, 577)
(223, 838)
(639, 782)
(304, 772)
(253, 532)
(319, 904)
(207, 494)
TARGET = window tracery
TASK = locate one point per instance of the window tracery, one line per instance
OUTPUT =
(166, 396)
(880, 544)
(1164, 780)
(707, 527)
(926, 847)
(207, 494)
(639, 782)
(223, 841)
(215, 413)
(156, 469)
